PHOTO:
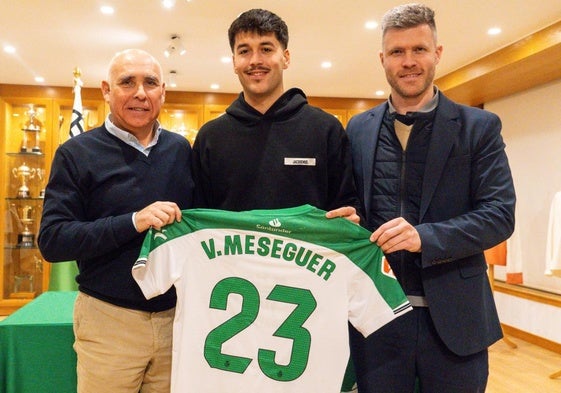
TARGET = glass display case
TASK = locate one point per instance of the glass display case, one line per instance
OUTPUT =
(31, 129)
(26, 147)
(184, 119)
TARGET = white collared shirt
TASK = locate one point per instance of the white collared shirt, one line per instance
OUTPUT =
(130, 139)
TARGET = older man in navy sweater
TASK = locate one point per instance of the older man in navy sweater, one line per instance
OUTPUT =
(107, 187)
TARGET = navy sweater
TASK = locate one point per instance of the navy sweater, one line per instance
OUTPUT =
(96, 183)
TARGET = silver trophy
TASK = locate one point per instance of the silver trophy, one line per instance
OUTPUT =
(24, 173)
(32, 126)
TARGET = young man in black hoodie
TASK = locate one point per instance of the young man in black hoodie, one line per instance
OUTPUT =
(271, 149)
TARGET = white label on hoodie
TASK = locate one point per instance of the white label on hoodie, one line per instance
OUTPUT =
(299, 161)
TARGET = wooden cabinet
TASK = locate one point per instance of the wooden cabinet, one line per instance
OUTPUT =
(343, 108)
(184, 119)
(212, 111)
(30, 129)
(187, 119)
(340, 114)
(26, 148)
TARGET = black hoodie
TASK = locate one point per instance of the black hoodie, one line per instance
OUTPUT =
(294, 154)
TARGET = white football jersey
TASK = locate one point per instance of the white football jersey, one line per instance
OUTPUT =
(264, 297)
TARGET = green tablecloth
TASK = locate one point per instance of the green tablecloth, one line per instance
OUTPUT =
(36, 354)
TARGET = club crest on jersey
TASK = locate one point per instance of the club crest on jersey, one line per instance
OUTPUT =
(160, 235)
(275, 223)
(386, 268)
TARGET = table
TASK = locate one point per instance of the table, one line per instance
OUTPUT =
(36, 354)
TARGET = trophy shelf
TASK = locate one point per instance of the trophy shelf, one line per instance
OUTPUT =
(26, 149)
(34, 121)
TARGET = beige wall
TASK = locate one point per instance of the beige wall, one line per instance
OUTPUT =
(532, 133)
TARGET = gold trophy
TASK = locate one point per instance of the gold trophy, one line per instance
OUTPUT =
(26, 238)
(24, 173)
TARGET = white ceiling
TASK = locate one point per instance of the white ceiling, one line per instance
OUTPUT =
(52, 37)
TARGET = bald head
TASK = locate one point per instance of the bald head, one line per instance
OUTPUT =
(132, 56)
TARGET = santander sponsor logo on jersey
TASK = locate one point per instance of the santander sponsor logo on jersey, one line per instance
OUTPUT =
(386, 268)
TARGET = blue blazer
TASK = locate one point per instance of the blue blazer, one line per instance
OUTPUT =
(467, 206)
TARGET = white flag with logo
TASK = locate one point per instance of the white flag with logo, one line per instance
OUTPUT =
(77, 122)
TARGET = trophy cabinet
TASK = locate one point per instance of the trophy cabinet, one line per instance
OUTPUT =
(31, 129)
(26, 149)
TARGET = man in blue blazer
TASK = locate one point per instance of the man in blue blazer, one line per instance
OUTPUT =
(437, 191)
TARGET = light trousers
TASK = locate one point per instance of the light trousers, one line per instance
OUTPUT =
(121, 350)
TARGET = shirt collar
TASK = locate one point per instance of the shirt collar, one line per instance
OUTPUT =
(130, 139)
(428, 107)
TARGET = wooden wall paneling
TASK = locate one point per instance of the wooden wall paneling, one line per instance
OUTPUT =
(184, 119)
(340, 114)
(527, 63)
(212, 111)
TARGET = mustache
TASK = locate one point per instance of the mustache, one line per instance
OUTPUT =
(257, 68)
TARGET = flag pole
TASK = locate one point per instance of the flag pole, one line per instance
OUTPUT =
(77, 121)
(63, 274)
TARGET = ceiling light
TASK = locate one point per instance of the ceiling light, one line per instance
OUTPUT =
(107, 10)
(226, 59)
(39, 79)
(326, 64)
(371, 25)
(494, 31)
(172, 82)
(175, 46)
(9, 49)
(215, 86)
(168, 3)
(379, 93)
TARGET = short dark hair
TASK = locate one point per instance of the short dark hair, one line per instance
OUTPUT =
(261, 22)
(407, 16)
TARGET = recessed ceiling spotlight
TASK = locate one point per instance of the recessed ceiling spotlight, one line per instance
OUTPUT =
(107, 10)
(380, 93)
(39, 79)
(172, 82)
(175, 46)
(326, 64)
(494, 31)
(9, 49)
(168, 3)
(226, 59)
(215, 86)
(371, 25)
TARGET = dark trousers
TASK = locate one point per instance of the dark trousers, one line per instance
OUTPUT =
(407, 350)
